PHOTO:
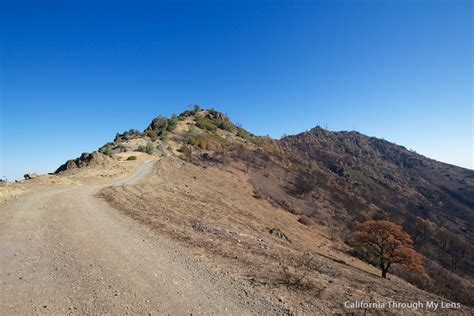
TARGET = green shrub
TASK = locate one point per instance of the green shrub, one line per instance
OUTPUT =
(107, 149)
(226, 125)
(165, 135)
(151, 133)
(211, 124)
(160, 126)
(205, 123)
(215, 120)
(206, 141)
(149, 148)
(242, 133)
(172, 122)
(132, 158)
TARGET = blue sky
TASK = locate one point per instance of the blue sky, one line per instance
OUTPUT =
(73, 73)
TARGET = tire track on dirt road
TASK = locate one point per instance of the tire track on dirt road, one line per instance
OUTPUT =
(66, 251)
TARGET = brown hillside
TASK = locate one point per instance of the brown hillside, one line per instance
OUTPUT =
(239, 199)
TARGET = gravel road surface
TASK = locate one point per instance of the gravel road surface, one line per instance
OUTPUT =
(66, 251)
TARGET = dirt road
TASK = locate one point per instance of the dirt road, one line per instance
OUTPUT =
(65, 251)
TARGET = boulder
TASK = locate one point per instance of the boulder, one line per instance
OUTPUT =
(30, 176)
(279, 233)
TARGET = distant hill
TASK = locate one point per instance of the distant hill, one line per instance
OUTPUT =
(371, 178)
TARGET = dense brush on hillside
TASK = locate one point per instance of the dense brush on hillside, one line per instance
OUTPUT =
(432, 200)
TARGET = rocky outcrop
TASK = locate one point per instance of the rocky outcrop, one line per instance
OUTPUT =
(280, 234)
(85, 160)
(215, 115)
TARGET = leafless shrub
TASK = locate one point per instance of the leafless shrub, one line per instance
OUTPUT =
(201, 227)
(294, 272)
(187, 152)
(284, 204)
(305, 220)
(305, 182)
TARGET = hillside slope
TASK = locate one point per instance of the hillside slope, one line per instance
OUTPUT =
(214, 212)
(243, 193)
(433, 201)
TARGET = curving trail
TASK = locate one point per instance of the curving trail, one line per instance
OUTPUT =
(66, 251)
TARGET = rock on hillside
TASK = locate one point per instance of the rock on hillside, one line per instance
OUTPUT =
(94, 159)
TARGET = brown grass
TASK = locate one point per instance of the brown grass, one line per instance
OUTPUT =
(214, 212)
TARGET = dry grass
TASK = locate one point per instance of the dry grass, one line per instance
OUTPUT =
(214, 212)
(10, 191)
(120, 167)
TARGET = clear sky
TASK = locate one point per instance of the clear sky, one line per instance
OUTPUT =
(73, 73)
